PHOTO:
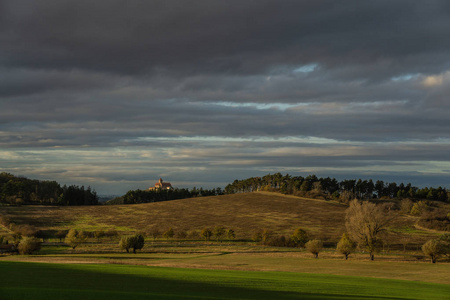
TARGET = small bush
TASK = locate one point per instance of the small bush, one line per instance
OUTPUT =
(219, 232)
(138, 242)
(406, 206)
(125, 243)
(206, 234)
(29, 245)
(419, 208)
(134, 242)
(299, 237)
(434, 249)
(280, 241)
(230, 234)
(314, 246)
(75, 238)
(345, 246)
(266, 235)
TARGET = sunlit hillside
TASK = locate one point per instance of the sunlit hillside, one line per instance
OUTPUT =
(246, 213)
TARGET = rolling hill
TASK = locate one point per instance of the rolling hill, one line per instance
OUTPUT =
(246, 213)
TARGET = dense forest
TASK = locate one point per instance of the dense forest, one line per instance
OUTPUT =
(20, 190)
(147, 196)
(330, 188)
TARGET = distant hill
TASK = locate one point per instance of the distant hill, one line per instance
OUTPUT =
(246, 213)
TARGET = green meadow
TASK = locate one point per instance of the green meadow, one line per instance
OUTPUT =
(108, 281)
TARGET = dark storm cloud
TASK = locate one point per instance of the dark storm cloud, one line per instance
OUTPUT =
(141, 37)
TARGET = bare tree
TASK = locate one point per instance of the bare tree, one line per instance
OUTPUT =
(364, 222)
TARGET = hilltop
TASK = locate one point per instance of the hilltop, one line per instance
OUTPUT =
(246, 213)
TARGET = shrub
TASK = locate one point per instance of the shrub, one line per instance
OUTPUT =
(299, 237)
(345, 246)
(314, 246)
(137, 242)
(206, 234)
(280, 241)
(29, 245)
(125, 243)
(75, 238)
(230, 234)
(266, 235)
(219, 232)
(419, 208)
(406, 206)
(433, 249)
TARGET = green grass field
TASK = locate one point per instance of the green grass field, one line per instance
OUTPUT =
(105, 281)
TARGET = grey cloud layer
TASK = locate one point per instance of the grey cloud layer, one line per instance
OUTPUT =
(121, 74)
(139, 37)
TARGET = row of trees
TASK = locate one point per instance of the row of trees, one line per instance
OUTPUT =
(350, 189)
(21, 190)
(147, 196)
(364, 222)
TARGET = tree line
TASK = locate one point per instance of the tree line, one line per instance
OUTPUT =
(158, 195)
(21, 190)
(331, 188)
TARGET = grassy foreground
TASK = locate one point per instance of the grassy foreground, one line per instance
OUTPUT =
(103, 281)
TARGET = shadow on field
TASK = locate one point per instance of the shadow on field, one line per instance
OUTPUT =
(54, 281)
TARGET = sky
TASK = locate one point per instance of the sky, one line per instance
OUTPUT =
(116, 94)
